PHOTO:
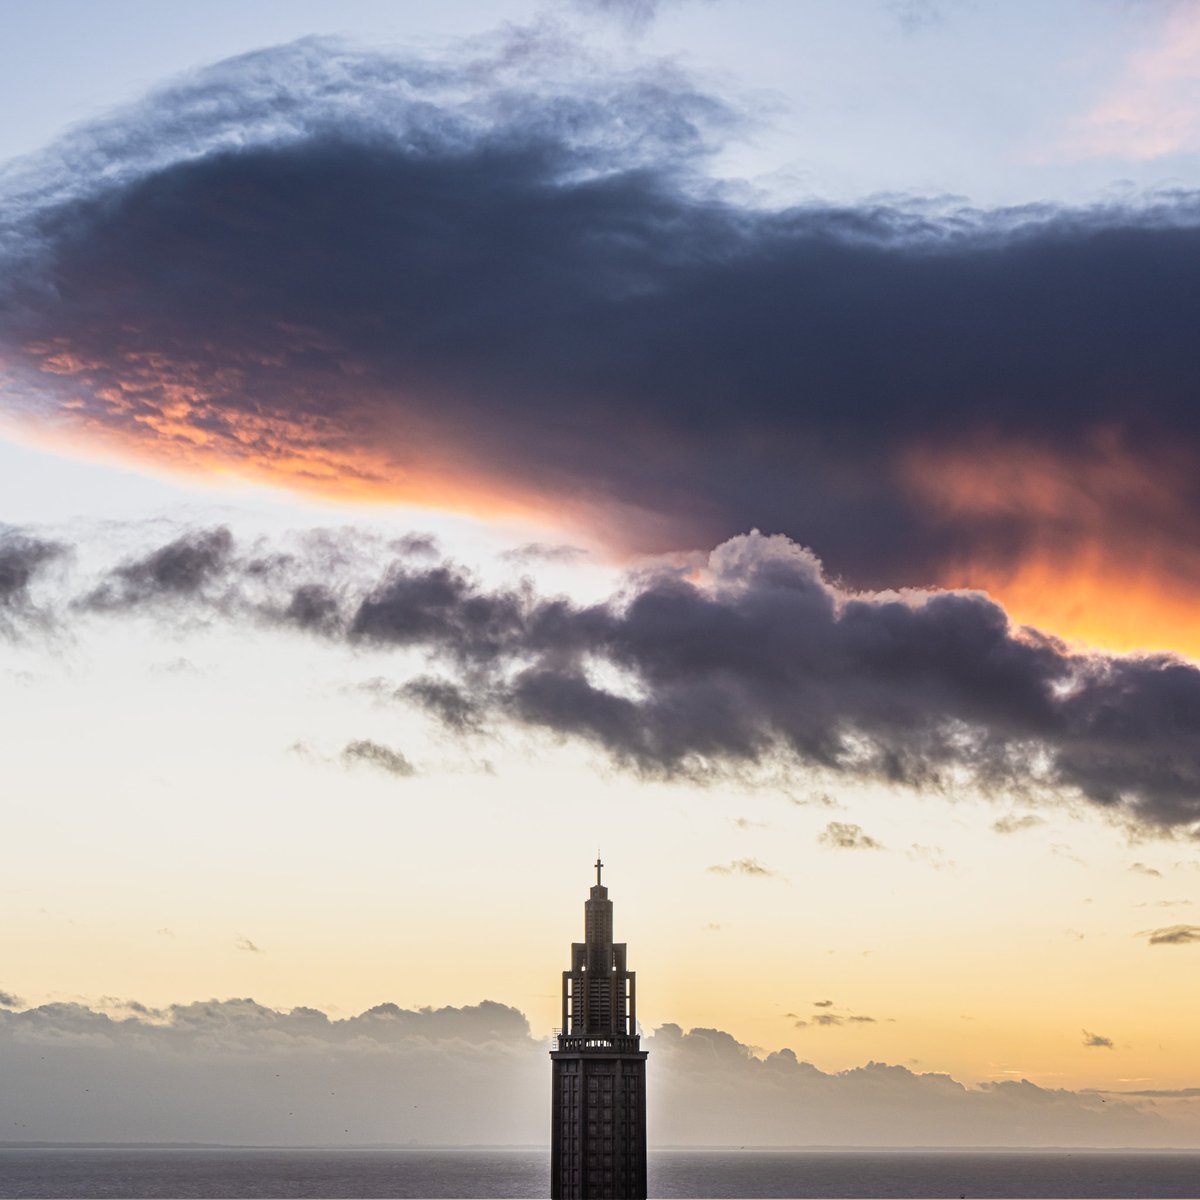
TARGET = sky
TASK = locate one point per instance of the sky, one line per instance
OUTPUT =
(750, 440)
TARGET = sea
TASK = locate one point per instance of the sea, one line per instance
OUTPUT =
(136, 1172)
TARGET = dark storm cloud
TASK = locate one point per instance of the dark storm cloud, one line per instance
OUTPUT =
(750, 661)
(508, 271)
(763, 657)
(374, 754)
(441, 606)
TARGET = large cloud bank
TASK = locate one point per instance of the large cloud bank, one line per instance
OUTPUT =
(500, 276)
(237, 1072)
(749, 657)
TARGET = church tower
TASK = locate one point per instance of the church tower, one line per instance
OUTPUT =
(598, 1130)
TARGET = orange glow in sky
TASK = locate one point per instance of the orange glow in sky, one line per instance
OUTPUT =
(1086, 544)
(1101, 558)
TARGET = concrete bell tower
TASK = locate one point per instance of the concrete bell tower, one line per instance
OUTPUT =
(598, 1124)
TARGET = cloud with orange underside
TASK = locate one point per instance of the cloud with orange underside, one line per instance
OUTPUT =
(1096, 547)
(146, 405)
(206, 421)
(530, 302)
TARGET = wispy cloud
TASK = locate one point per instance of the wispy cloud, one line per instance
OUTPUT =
(375, 754)
(634, 15)
(23, 558)
(178, 571)
(914, 16)
(1016, 823)
(1096, 1041)
(1174, 935)
(841, 835)
(544, 552)
(744, 866)
(1152, 108)
(931, 856)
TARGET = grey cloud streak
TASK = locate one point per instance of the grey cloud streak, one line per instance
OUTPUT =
(1014, 823)
(384, 758)
(1174, 935)
(841, 835)
(744, 866)
(179, 570)
(756, 659)
(238, 1072)
(24, 556)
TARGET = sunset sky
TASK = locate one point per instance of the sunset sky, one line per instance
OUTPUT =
(753, 440)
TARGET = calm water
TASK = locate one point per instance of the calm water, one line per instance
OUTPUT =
(123, 1172)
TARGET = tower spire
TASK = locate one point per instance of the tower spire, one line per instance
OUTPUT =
(598, 1135)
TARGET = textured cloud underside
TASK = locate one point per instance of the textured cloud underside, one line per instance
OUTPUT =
(748, 658)
(499, 280)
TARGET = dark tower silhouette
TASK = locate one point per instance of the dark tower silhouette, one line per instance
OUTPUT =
(598, 1133)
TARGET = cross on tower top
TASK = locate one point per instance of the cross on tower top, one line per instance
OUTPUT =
(599, 865)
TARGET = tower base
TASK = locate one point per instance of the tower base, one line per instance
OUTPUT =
(598, 1135)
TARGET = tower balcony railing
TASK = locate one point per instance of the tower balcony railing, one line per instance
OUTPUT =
(599, 1043)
